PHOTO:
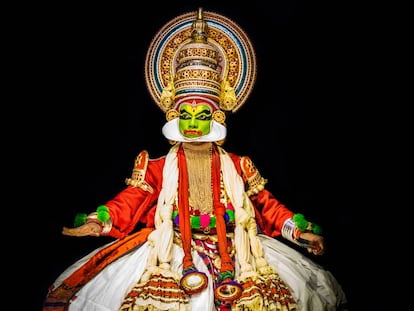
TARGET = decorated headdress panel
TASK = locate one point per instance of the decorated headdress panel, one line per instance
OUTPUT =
(200, 54)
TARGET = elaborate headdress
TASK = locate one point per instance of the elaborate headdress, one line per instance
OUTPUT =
(203, 55)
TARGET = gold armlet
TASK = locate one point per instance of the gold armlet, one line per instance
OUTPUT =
(255, 180)
(138, 173)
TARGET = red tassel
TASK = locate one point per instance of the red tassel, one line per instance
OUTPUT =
(184, 210)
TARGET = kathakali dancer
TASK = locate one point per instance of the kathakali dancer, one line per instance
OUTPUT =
(207, 224)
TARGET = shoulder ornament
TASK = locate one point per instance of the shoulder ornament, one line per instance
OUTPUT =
(255, 180)
(138, 173)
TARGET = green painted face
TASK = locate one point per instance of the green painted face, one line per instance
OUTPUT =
(195, 120)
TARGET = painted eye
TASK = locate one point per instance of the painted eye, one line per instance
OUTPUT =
(204, 117)
(185, 117)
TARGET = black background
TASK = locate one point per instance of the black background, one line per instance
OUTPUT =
(90, 114)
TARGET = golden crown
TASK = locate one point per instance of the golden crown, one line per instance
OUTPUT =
(200, 55)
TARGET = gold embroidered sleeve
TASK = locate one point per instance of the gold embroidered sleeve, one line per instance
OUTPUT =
(255, 181)
(138, 173)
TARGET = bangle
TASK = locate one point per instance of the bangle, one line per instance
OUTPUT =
(100, 217)
(93, 218)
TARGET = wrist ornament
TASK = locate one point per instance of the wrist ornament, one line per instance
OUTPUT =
(305, 226)
(100, 217)
(293, 227)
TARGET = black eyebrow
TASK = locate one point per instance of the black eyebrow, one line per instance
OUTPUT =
(204, 111)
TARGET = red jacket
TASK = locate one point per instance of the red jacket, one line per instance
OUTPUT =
(136, 206)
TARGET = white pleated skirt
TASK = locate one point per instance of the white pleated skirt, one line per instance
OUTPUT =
(313, 287)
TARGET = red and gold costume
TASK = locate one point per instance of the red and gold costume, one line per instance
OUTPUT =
(136, 204)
